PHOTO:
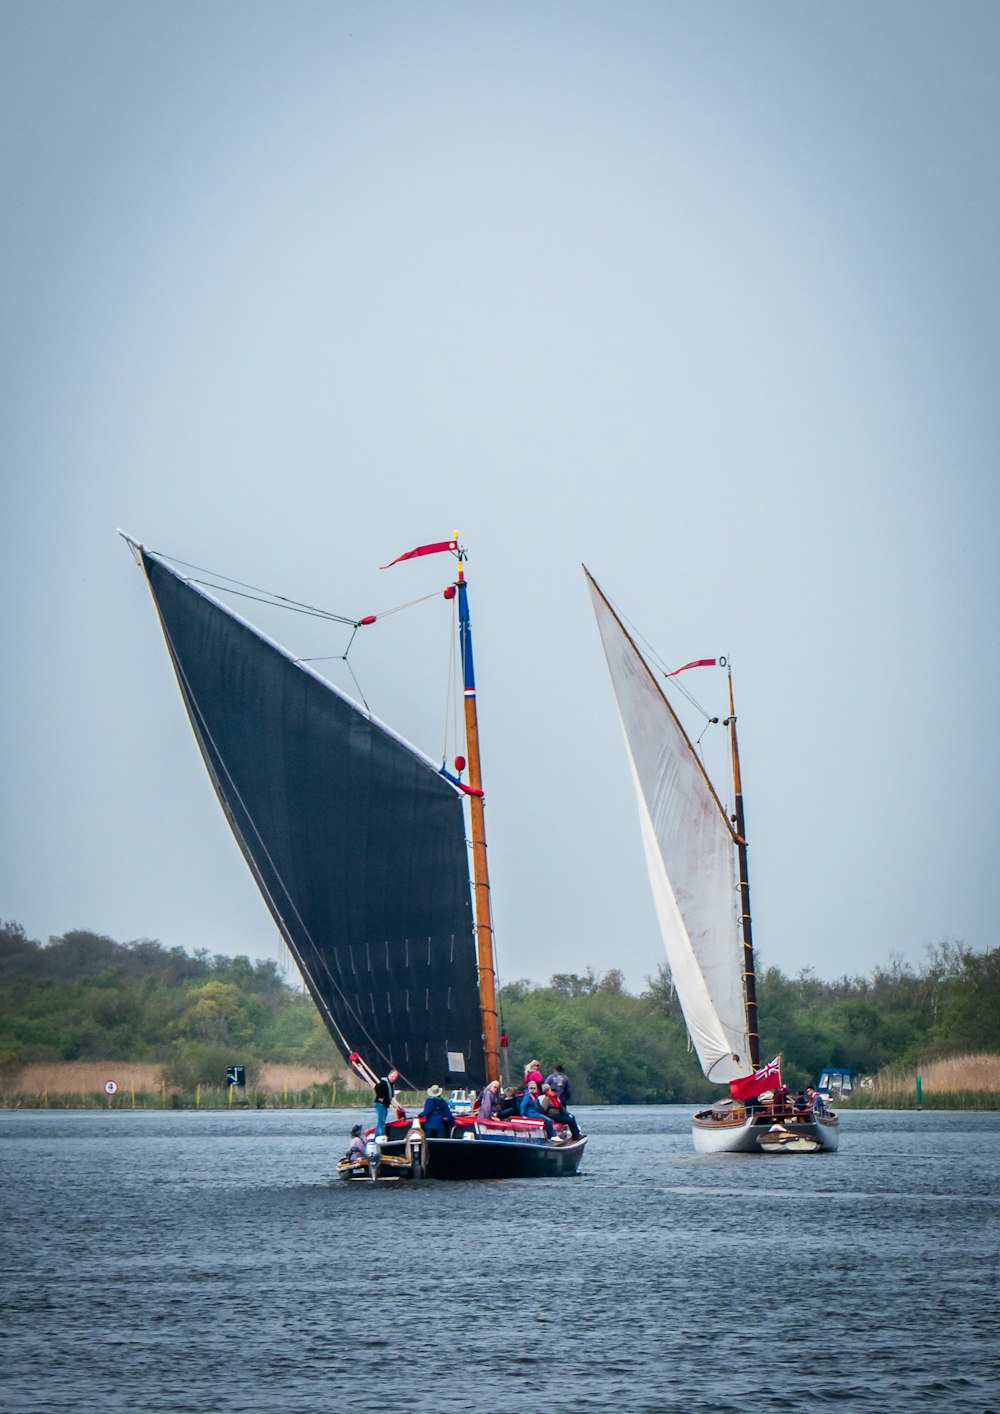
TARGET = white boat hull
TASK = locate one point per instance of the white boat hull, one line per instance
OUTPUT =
(732, 1136)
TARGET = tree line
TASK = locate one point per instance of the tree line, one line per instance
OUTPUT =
(86, 997)
(625, 1048)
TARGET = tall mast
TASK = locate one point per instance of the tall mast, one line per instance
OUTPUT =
(749, 974)
(480, 871)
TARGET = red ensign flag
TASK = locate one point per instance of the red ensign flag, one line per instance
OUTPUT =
(767, 1078)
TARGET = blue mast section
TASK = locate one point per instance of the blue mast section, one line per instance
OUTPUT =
(465, 640)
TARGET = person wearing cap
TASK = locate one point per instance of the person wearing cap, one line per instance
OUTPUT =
(356, 1149)
(436, 1115)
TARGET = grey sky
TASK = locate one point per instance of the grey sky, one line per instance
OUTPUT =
(703, 295)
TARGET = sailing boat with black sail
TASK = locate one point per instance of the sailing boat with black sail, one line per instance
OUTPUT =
(696, 856)
(360, 847)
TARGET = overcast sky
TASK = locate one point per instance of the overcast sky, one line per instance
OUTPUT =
(702, 295)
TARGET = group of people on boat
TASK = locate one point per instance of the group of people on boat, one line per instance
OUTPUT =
(543, 1099)
(784, 1105)
(781, 1104)
(536, 1098)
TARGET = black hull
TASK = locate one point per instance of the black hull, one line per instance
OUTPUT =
(481, 1158)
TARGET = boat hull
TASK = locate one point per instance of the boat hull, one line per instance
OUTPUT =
(502, 1158)
(743, 1136)
(513, 1150)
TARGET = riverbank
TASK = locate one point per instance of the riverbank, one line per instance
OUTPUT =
(969, 1082)
(142, 1085)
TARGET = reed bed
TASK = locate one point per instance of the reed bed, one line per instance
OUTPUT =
(970, 1082)
(141, 1085)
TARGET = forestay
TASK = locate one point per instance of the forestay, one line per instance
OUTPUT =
(689, 848)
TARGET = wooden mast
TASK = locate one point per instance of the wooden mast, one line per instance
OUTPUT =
(477, 816)
(749, 974)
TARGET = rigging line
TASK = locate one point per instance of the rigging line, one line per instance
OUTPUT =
(275, 601)
(357, 685)
(656, 661)
(686, 693)
(276, 913)
(385, 613)
(279, 600)
(452, 690)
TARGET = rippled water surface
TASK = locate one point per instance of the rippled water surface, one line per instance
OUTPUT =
(212, 1263)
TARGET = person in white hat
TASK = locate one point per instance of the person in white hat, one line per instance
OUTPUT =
(436, 1115)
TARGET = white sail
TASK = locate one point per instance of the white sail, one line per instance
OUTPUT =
(689, 854)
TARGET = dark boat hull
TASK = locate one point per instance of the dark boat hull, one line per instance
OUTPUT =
(471, 1155)
(501, 1158)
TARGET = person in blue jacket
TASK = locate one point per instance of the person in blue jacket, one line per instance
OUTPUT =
(531, 1109)
(436, 1115)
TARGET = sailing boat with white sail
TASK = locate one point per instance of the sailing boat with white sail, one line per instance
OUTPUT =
(360, 847)
(696, 855)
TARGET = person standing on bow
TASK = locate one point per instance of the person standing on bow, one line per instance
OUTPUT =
(385, 1088)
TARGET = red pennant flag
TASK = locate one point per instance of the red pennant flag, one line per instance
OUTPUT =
(423, 550)
(767, 1078)
(697, 663)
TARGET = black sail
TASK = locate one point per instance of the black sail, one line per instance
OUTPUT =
(357, 843)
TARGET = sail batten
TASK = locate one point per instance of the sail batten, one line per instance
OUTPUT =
(688, 845)
(354, 838)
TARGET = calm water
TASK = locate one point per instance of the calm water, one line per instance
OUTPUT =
(212, 1263)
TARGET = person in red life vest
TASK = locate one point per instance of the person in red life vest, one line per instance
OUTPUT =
(556, 1110)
